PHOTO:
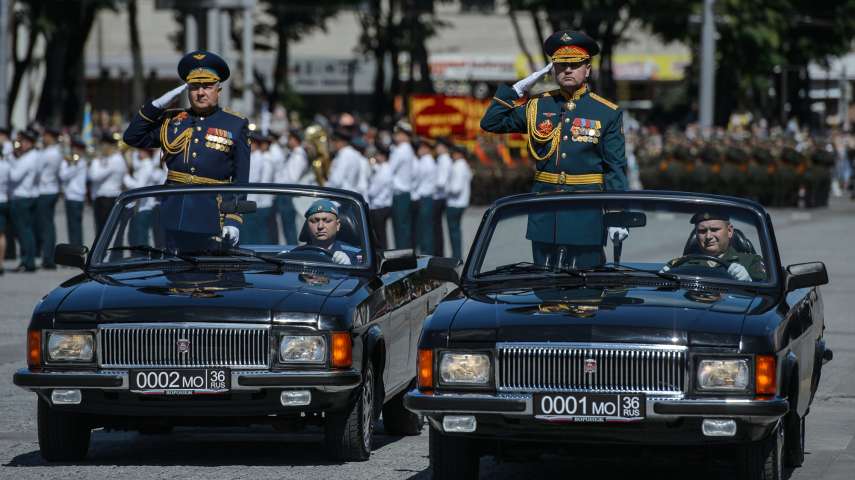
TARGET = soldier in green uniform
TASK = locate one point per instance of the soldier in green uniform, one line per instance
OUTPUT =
(576, 138)
(714, 232)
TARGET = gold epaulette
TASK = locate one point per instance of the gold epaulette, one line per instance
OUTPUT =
(605, 102)
(234, 113)
(551, 93)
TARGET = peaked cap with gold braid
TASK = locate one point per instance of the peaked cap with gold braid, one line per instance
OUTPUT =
(566, 46)
(201, 66)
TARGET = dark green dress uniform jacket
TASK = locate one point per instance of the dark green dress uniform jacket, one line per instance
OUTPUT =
(197, 149)
(578, 137)
(752, 262)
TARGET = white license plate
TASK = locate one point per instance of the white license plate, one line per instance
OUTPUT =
(181, 381)
(590, 408)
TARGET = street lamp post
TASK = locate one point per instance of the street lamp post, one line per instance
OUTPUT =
(707, 68)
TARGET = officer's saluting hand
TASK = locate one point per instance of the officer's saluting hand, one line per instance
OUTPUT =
(204, 144)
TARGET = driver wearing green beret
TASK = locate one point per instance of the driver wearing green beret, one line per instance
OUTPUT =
(323, 224)
(713, 233)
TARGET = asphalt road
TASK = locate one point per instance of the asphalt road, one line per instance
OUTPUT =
(260, 453)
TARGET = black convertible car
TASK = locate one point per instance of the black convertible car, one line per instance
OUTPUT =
(687, 332)
(173, 324)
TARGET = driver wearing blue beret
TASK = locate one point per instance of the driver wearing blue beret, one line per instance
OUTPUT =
(323, 224)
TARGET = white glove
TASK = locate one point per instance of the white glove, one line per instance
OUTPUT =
(738, 272)
(621, 233)
(231, 235)
(341, 258)
(164, 100)
(523, 85)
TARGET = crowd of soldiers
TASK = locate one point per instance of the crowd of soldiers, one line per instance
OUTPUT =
(40, 167)
(778, 170)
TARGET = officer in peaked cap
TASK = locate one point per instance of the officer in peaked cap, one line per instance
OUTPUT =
(576, 138)
(204, 144)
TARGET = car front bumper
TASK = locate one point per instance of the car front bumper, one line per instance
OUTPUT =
(669, 420)
(252, 393)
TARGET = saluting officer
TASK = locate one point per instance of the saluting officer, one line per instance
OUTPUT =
(577, 139)
(205, 144)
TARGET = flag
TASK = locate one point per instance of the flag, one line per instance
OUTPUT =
(86, 132)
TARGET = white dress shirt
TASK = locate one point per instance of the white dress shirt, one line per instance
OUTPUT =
(459, 184)
(73, 179)
(23, 175)
(50, 160)
(443, 171)
(143, 176)
(364, 176)
(427, 176)
(4, 180)
(106, 175)
(380, 187)
(344, 170)
(402, 159)
(261, 171)
(278, 161)
(297, 168)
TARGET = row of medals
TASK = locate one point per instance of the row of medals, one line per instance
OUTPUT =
(579, 134)
(218, 143)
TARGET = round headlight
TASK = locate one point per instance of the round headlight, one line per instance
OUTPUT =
(303, 349)
(724, 375)
(70, 347)
(464, 368)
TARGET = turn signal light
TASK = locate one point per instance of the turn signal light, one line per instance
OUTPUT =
(425, 369)
(341, 354)
(765, 375)
(34, 349)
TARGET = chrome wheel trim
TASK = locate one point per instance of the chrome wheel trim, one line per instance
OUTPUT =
(367, 408)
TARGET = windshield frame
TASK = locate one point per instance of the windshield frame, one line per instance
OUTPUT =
(102, 241)
(767, 245)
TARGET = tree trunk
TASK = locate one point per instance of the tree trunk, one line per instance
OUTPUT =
(280, 69)
(21, 66)
(138, 79)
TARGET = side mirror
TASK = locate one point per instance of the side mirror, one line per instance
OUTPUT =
(397, 260)
(801, 275)
(70, 255)
(444, 269)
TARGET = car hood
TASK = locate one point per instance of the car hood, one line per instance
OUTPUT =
(196, 295)
(615, 314)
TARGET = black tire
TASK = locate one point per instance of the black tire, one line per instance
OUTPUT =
(452, 458)
(397, 420)
(794, 448)
(63, 436)
(764, 460)
(348, 434)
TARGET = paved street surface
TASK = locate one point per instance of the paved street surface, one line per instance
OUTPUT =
(260, 453)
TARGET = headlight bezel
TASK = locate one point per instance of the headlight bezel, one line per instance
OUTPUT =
(442, 383)
(700, 360)
(49, 359)
(324, 357)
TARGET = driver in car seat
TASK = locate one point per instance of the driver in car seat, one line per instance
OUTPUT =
(713, 233)
(323, 225)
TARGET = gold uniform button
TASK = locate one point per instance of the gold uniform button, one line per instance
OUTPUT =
(196, 140)
(565, 137)
(198, 129)
(194, 154)
(192, 169)
(201, 118)
(566, 120)
(563, 155)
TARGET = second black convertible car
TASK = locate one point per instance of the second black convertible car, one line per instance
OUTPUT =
(294, 319)
(691, 331)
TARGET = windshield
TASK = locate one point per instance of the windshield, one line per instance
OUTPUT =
(246, 225)
(672, 238)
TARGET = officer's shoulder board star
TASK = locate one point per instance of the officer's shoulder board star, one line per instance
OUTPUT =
(602, 100)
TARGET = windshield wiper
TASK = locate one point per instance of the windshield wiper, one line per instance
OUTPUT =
(519, 267)
(149, 249)
(621, 268)
(245, 252)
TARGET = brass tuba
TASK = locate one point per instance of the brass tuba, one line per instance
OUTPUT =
(317, 149)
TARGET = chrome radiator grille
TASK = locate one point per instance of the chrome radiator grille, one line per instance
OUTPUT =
(591, 367)
(184, 345)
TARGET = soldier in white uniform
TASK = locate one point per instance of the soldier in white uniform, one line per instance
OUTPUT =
(459, 188)
(426, 189)
(72, 176)
(296, 170)
(402, 160)
(50, 159)
(105, 176)
(23, 192)
(380, 194)
(142, 175)
(4, 194)
(345, 167)
(443, 171)
(256, 228)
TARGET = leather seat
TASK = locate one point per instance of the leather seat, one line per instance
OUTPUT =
(739, 242)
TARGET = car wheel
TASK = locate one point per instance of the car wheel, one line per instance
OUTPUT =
(63, 436)
(452, 458)
(795, 447)
(763, 460)
(397, 420)
(348, 434)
